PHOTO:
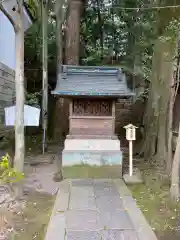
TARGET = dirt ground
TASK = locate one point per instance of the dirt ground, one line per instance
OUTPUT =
(40, 191)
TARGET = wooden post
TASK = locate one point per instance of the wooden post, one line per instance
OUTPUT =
(19, 86)
(45, 74)
(130, 158)
(130, 136)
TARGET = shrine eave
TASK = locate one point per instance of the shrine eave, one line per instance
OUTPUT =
(93, 94)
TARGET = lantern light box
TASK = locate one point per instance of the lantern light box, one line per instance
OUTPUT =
(130, 132)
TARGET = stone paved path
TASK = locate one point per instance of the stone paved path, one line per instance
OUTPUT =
(94, 210)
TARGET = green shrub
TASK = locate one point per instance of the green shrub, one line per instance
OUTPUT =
(8, 175)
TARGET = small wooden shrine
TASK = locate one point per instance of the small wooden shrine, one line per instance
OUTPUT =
(93, 92)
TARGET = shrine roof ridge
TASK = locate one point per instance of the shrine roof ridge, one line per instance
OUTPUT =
(90, 70)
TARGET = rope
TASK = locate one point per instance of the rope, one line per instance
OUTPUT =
(140, 8)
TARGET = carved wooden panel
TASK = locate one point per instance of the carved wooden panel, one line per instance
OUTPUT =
(85, 107)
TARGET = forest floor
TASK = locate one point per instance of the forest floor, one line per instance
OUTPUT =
(153, 199)
(32, 222)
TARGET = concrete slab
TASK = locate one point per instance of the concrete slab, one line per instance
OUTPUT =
(92, 151)
(92, 144)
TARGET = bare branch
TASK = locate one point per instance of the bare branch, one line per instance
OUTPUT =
(9, 17)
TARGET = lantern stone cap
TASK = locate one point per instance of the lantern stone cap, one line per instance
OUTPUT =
(130, 126)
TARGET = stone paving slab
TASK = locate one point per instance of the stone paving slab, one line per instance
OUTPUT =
(115, 220)
(105, 191)
(86, 191)
(81, 182)
(62, 199)
(82, 220)
(83, 235)
(57, 224)
(56, 228)
(112, 203)
(102, 235)
(97, 209)
(82, 203)
(103, 183)
(119, 235)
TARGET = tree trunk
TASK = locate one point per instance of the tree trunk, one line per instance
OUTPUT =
(44, 7)
(73, 33)
(167, 70)
(174, 78)
(19, 86)
(155, 144)
(151, 115)
(60, 13)
(71, 57)
(174, 190)
(59, 125)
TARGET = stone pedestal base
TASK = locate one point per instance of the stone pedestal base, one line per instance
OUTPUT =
(92, 152)
(134, 179)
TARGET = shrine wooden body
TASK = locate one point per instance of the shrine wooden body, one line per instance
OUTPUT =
(91, 118)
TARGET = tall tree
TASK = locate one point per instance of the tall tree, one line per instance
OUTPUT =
(60, 11)
(157, 118)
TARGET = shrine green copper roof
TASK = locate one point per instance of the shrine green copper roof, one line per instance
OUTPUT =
(91, 81)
